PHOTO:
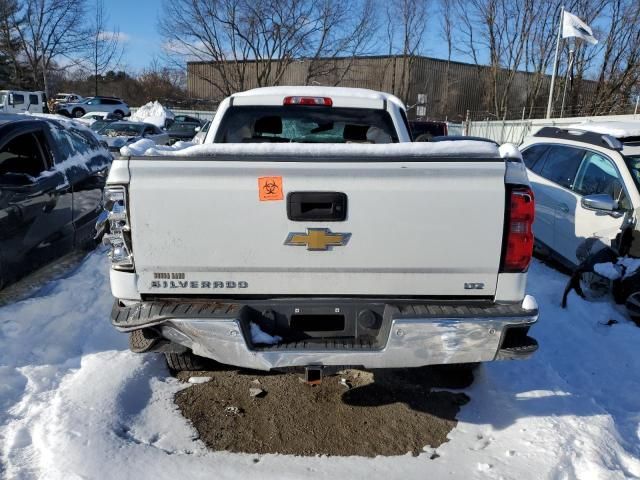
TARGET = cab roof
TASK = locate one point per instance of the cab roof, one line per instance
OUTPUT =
(344, 94)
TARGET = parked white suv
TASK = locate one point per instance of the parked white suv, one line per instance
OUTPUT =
(18, 101)
(95, 104)
(585, 179)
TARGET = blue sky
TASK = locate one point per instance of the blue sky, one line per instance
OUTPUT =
(138, 22)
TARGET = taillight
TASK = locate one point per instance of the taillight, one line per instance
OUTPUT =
(114, 222)
(518, 243)
(316, 101)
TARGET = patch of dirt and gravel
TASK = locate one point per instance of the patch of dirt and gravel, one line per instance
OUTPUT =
(364, 413)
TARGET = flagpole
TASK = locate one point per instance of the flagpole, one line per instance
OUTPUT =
(555, 65)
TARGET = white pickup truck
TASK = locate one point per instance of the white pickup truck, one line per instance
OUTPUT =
(309, 232)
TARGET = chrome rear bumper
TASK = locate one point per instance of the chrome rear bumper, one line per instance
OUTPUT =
(411, 341)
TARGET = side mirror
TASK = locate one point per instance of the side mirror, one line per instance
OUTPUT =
(600, 202)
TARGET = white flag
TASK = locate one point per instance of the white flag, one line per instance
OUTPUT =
(572, 26)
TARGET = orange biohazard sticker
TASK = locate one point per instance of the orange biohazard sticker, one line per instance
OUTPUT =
(270, 188)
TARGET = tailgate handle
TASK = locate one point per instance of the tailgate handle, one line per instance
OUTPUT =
(317, 206)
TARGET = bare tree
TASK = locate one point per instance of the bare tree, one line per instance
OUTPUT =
(347, 30)
(9, 44)
(106, 49)
(49, 30)
(447, 31)
(271, 34)
(406, 27)
(617, 66)
(501, 28)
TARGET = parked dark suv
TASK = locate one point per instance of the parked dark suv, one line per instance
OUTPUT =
(51, 179)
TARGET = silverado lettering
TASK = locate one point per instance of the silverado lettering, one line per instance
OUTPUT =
(197, 284)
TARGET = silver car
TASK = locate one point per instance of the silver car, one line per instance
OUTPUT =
(118, 134)
(112, 105)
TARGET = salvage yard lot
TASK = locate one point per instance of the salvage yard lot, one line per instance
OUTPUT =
(75, 403)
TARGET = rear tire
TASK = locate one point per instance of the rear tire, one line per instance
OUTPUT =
(78, 112)
(179, 362)
(119, 114)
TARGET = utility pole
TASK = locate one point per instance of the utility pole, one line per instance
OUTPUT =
(564, 92)
(44, 72)
(555, 65)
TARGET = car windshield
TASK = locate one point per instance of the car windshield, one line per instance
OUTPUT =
(122, 130)
(99, 125)
(305, 124)
(182, 126)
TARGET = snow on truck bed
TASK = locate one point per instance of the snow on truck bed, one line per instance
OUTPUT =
(459, 148)
(75, 403)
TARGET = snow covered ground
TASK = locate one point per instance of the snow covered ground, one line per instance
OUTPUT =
(74, 403)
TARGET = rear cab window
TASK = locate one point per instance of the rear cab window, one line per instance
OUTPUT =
(305, 124)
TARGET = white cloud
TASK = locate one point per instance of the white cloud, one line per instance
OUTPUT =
(121, 36)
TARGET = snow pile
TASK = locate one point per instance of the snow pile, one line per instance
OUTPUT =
(509, 150)
(453, 149)
(75, 403)
(608, 270)
(67, 122)
(617, 129)
(154, 113)
(623, 268)
(140, 147)
(260, 337)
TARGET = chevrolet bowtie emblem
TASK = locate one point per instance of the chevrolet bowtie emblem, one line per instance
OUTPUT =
(317, 239)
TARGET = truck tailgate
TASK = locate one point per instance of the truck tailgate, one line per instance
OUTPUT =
(411, 229)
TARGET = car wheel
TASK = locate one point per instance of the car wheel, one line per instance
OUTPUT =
(633, 307)
(179, 362)
(119, 114)
(78, 112)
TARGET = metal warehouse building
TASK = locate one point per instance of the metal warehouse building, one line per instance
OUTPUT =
(416, 80)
